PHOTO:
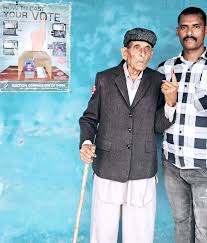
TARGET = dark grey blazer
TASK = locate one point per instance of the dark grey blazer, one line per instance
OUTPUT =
(124, 135)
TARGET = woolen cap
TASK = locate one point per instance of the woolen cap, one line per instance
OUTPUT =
(140, 34)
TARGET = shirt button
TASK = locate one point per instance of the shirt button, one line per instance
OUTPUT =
(180, 131)
(180, 148)
(130, 130)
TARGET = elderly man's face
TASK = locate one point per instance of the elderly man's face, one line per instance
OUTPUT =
(137, 55)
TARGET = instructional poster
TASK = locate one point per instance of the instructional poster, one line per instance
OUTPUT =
(35, 46)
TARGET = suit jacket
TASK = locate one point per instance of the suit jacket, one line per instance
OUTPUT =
(124, 135)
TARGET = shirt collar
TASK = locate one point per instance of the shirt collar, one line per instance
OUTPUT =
(126, 72)
(203, 55)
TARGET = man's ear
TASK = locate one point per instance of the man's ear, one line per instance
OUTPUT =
(152, 52)
(206, 30)
(177, 31)
(150, 57)
(124, 53)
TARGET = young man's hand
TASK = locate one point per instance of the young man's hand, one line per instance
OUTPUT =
(93, 89)
(170, 89)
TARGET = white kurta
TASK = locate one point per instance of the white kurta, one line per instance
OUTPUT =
(135, 201)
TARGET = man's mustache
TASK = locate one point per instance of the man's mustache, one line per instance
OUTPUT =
(189, 37)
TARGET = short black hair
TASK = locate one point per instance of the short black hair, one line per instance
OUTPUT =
(193, 10)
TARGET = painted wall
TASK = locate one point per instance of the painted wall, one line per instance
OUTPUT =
(40, 170)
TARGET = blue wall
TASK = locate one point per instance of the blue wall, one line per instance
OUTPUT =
(40, 170)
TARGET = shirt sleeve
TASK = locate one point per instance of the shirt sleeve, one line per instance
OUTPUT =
(200, 102)
(87, 142)
(169, 112)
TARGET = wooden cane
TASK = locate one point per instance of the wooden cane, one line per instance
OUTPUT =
(83, 187)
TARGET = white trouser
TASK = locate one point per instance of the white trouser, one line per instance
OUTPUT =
(137, 221)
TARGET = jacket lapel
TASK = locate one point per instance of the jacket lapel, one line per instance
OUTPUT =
(145, 83)
(120, 81)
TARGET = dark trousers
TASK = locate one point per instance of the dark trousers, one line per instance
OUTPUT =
(187, 193)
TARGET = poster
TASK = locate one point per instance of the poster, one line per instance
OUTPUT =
(35, 46)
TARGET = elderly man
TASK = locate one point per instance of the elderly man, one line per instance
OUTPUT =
(118, 136)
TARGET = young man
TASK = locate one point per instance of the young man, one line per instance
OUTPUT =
(117, 134)
(185, 142)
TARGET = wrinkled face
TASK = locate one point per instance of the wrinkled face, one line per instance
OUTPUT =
(191, 31)
(137, 55)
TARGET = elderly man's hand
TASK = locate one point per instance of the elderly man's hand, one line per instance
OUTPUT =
(170, 89)
(87, 153)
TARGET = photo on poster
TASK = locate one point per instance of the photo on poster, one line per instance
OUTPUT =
(10, 27)
(59, 30)
(35, 50)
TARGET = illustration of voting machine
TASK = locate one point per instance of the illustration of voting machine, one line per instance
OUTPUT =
(34, 65)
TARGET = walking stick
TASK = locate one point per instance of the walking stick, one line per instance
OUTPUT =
(83, 187)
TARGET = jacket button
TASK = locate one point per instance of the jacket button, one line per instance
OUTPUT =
(128, 146)
(130, 115)
(130, 130)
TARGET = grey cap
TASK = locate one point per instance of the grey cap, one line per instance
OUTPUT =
(140, 34)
